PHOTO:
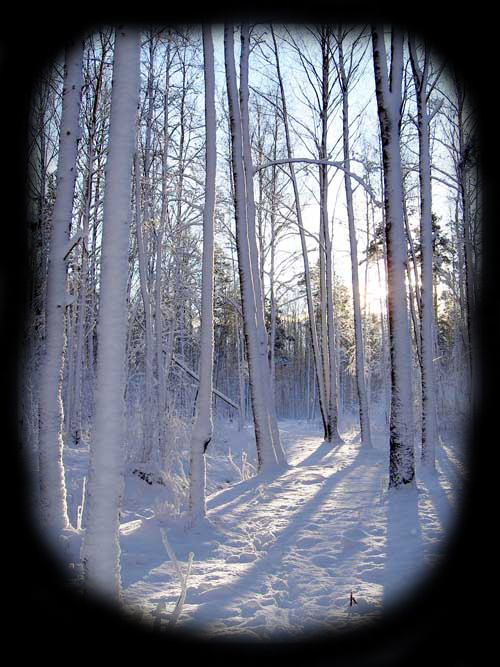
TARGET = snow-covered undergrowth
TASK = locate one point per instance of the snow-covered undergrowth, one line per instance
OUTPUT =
(281, 555)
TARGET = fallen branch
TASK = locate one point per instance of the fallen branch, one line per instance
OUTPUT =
(195, 377)
(182, 578)
(79, 511)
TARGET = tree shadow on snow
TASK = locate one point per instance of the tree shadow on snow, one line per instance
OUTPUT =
(241, 491)
(278, 551)
(404, 548)
(317, 457)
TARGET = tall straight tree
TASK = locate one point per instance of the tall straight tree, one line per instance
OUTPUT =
(202, 431)
(264, 442)
(319, 77)
(346, 74)
(51, 471)
(389, 101)
(164, 218)
(141, 223)
(93, 93)
(420, 78)
(266, 387)
(101, 548)
(326, 249)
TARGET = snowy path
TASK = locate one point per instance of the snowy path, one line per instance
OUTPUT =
(284, 554)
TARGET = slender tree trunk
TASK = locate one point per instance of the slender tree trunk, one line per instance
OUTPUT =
(160, 361)
(326, 268)
(241, 379)
(202, 431)
(254, 255)
(53, 506)
(364, 416)
(429, 432)
(388, 90)
(265, 450)
(75, 427)
(147, 444)
(142, 232)
(101, 549)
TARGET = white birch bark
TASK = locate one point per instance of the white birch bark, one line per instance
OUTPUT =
(202, 430)
(420, 77)
(326, 268)
(142, 223)
(101, 548)
(364, 416)
(160, 361)
(388, 91)
(266, 385)
(53, 506)
(147, 444)
(273, 262)
(265, 451)
(75, 427)
(240, 345)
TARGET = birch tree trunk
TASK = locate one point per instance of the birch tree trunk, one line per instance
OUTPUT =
(265, 451)
(254, 255)
(101, 547)
(364, 416)
(388, 91)
(53, 506)
(75, 427)
(420, 77)
(202, 431)
(272, 295)
(142, 223)
(326, 268)
(160, 360)
(147, 444)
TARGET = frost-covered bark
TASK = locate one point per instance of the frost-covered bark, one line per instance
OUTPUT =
(420, 77)
(388, 91)
(160, 359)
(266, 386)
(147, 444)
(326, 259)
(413, 290)
(141, 224)
(101, 548)
(51, 471)
(364, 416)
(75, 425)
(272, 292)
(202, 431)
(263, 436)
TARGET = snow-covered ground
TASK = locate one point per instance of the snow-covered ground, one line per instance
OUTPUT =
(281, 555)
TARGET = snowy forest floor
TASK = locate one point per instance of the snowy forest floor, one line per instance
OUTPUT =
(280, 555)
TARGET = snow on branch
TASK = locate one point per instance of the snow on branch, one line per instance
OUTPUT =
(192, 374)
(330, 163)
(182, 578)
(72, 243)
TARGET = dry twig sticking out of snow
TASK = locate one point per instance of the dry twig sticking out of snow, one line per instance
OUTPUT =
(182, 578)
